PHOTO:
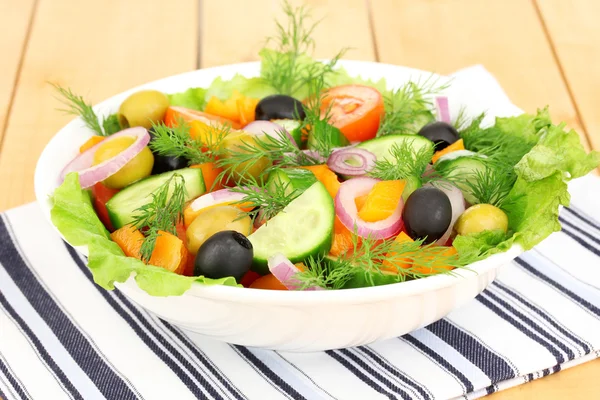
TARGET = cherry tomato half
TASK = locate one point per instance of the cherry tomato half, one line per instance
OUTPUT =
(355, 110)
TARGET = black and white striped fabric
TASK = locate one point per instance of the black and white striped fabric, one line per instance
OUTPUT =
(62, 336)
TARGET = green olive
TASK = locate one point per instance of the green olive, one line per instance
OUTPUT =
(213, 220)
(252, 168)
(479, 218)
(143, 108)
(139, 167)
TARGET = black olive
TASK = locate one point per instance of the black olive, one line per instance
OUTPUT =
(226, 253)
(427, 214)
(279, 106)
(440, 133)
(165, 163)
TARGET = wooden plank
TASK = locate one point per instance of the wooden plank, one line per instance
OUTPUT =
(248, 23)
(15, 17)
(97, 49)
(505, 36)
(573, 29)
(577, 383)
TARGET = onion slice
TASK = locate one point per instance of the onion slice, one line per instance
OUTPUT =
(338, 161)
(457, 201)
(90, 174)
(284, 271)
(268, 128)
(443, 109)
(345, 208)
(223, 196)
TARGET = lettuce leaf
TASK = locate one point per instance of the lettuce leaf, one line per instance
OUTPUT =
(483, 244)
(194, 98)
(250, 87)
(72, 213)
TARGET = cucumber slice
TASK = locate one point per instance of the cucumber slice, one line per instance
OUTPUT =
(463, 169)
(333, 135)
(293, 127)
(381, 146)
(122, 206)
(292, 179)
(304, 228)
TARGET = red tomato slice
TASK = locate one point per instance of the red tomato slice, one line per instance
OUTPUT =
(189, 115)
(355, 110)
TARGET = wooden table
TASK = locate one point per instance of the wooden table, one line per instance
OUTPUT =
(541, 51)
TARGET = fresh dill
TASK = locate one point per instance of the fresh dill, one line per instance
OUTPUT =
(289, 66)
(76, 105)
(405, 160)
(265, 203)
(176, 142)
(369, 258)
(161, 214)
(244, 155)
(493, 142)
(408, 108)
(492, 184)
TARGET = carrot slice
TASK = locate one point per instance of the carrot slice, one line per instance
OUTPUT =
(169, 253)
(382, 200)
(458, 145)
(91, 142)
(268, 282)
(326, 176)
(129, 239)
(210, 173)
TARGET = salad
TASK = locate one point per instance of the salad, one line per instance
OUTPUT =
(306, 178)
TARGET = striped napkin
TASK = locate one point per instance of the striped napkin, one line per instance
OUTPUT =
(62, 336)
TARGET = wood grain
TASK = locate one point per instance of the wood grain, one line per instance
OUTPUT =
(97, 49)
(253, 21)
(15, 17)
(574, 31)
(506, 36)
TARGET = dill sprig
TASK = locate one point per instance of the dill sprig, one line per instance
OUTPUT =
(405, 160)
(161, 214)
(76, 105)
(266, 152)
(370, 258)
(176, 142)
(265, 203)
(408, 108)
(492, 184)
(289, 66)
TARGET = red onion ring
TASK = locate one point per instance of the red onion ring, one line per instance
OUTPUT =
(284, 271)
(457, 201)
(268, 128)
(90, 174)
(443, 109)
(216, 197)
(345, 208)
(337, 161)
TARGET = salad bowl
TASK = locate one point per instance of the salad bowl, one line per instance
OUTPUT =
(297, 320)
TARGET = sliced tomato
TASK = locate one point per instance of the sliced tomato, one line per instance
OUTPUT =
(174, 113)
(101, 194)
(355, 110)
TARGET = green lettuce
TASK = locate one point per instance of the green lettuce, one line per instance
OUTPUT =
(250, 87)
(72, 213)
(483, 244)
(194, 98)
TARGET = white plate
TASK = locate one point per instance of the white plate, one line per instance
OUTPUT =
(293, 321)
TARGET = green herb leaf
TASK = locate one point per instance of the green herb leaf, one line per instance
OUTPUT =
(162, 213)
(78, 106)
(404, 161)
(177, 142)
(111, 124)
(408, 108)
